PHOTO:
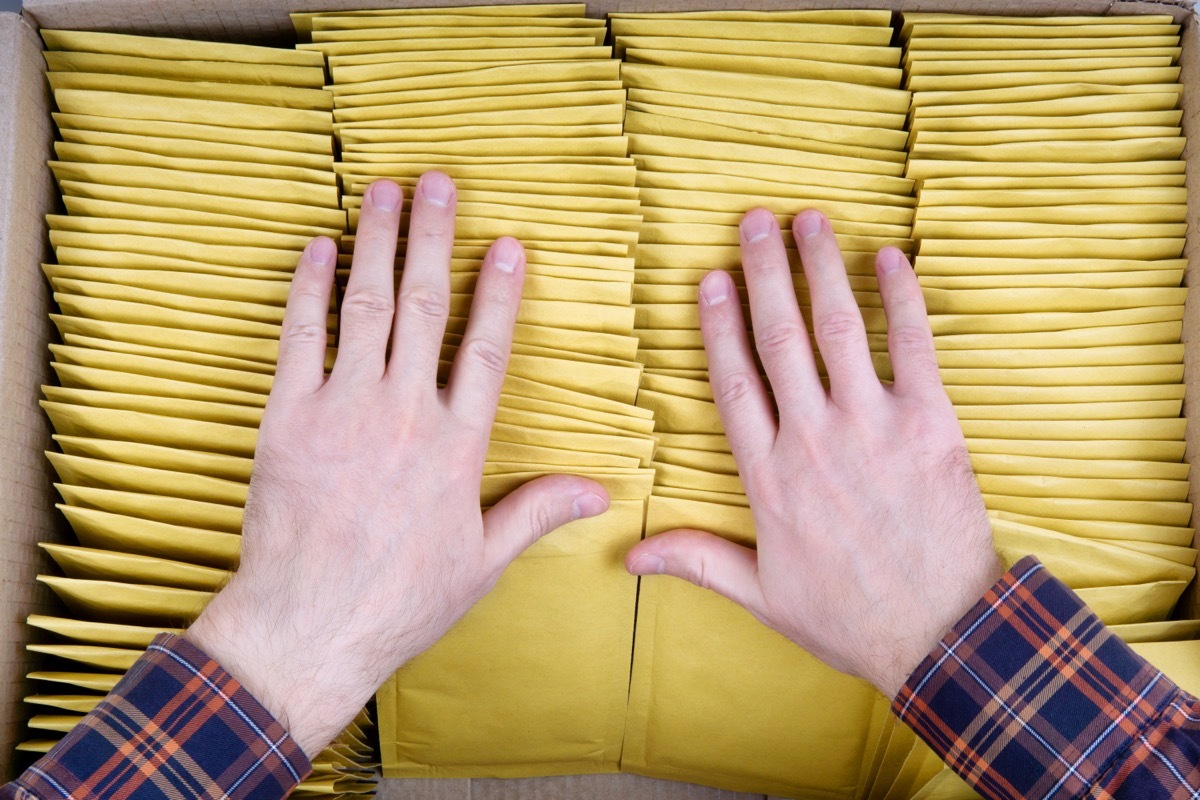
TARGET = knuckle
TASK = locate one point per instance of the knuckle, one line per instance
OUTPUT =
(779, 338)
(542, 520)
(304, 333)
(733, 389)
(424, 302)
(367, 303)
(910, 337)
(840, 327)
(699, 573)
(486, 354)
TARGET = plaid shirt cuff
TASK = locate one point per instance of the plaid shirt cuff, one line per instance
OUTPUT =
(177, 726)
(1029, 695)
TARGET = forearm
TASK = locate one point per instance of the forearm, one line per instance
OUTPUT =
(1029, 695)
(176, 725)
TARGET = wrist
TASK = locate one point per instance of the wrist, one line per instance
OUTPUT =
(942, 612)
(299, 684)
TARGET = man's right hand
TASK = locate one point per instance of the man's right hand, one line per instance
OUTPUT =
(873, 539)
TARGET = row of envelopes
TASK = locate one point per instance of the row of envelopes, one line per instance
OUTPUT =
(1049, 228)
(728, 111)
(524, 108)
(192, 175)
(1031, 168)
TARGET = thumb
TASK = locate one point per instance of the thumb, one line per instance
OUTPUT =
(703, 559)
(534, 509)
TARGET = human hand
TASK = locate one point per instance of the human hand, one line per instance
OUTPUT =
(363, 539)
(872, 536)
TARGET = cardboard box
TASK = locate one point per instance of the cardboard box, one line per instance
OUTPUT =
(27, 193)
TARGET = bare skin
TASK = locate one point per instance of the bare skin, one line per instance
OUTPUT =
(363, 537)
(873, 539)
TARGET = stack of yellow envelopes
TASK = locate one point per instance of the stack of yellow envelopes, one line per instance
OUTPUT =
(1049, 227)
(1050, 224)
(523, 107)
(192, 175)
(727, 111)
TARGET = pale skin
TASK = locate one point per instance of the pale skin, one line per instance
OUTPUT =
(364, 541)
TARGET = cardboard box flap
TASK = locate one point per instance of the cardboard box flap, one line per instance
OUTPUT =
(26, 191)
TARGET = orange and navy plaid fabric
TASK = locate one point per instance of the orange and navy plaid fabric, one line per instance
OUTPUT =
(177, 726)
(1030, 696)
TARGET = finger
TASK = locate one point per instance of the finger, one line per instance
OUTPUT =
(424, 302)
(910, 341)
(482, 359)
(535, 509)
(369, 303)
(779, 332)
(701, 558)
(300, 368)
(741, 399)
(837, 322)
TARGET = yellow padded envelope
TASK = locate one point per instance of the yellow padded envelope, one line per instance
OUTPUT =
(110, 601)
(249, 93)
(286, 145)
(153, 47)
(91, 564)
(79, 471)
(699, 709)
(132, 636)
(764, 29)
(220, 71)
(91, 655)
(72, 376)
(563, 612)
(215, 465)
(129, 534)
(183, 109)
(197, 148)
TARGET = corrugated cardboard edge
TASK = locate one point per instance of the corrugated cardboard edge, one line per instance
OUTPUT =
(235, 20)
(26, 193)
(26, 507)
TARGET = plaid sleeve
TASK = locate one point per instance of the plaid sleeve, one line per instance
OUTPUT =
(176, 727)
(1030, 696)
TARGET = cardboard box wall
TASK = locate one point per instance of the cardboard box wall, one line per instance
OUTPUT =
(27, 193)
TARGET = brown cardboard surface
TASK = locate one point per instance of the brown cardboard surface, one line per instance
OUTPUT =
(267, 19)
(26, 194)
(26, 508)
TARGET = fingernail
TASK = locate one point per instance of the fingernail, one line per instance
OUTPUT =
(507, 252)
(322, 251)
(714, 288)
(808, 223)
(889, 260)
(588, 504)
(647, 564)
(757, 224)
(437, 188)
(385, 195)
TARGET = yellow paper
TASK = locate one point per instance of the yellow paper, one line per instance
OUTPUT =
(109, 423)
(569, 720)
(682, 688)
(203, 112)
(191, 70)
(248, 93)
(109, 601)
(174, 49)
(90, 564)
(131, 636)
(128, 534)
(132, 478)
(286, 144)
